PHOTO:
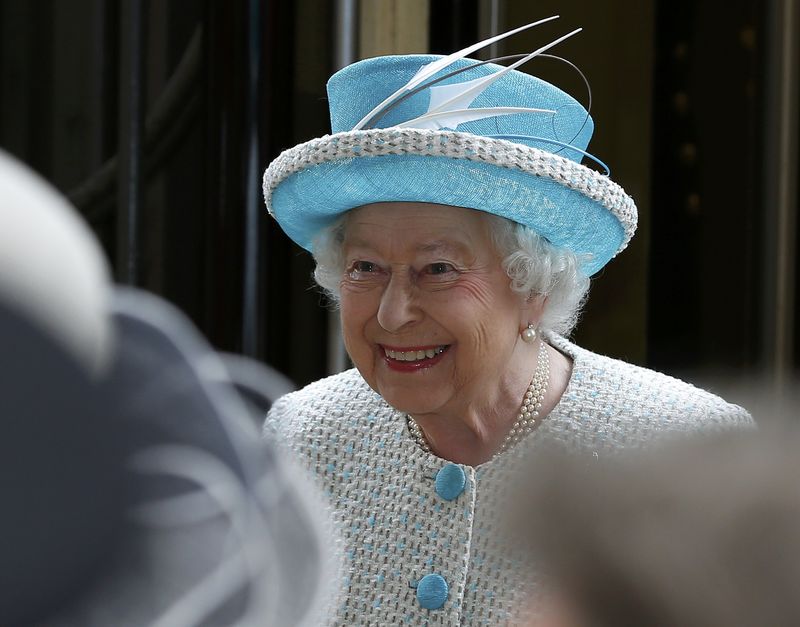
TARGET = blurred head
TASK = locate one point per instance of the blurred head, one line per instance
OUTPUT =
(699, 534)
(135, 482)
(59, 471)
(443, 291)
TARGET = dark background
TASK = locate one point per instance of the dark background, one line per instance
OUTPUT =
(157, 119)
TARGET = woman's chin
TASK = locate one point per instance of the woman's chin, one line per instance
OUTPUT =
(416, 401)
(412, 388)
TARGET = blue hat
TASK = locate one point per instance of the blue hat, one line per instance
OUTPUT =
(460, 132)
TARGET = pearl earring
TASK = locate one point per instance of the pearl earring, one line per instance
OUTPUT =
(528, 334)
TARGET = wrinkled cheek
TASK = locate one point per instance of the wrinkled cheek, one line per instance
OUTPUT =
(352, 310)
(355, 317)
(353, 338)
(479, 290)
(485, 336)
(491, 346)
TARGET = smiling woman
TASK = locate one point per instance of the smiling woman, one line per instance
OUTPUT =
(430, 322)
(460, 259)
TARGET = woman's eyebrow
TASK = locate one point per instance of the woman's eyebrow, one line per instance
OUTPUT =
(442, 246)
(434, 246)
(357, 242)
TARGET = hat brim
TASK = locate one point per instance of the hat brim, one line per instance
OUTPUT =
(309, 186)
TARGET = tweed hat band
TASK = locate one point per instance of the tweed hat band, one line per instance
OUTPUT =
(454, 145)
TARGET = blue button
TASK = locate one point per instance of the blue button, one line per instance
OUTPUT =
(450, 482)
(432, 592)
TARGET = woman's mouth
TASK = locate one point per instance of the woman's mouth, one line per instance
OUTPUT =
(410, 358)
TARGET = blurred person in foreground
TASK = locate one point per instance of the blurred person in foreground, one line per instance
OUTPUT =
(451, 219)
(136, 489)
(699, 534)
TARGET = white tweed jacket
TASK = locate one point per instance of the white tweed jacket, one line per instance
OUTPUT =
(397, 528)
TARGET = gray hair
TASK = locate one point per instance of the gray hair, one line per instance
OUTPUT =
(534, 266)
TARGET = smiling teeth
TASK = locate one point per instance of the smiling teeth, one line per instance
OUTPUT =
(414, 355)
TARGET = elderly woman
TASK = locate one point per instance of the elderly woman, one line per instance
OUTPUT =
(450, 217)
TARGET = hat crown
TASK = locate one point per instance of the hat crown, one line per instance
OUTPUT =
(358, 88)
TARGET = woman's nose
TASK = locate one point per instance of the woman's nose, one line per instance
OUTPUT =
(397, 308)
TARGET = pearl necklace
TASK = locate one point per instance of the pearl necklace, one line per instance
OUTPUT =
(528, 411)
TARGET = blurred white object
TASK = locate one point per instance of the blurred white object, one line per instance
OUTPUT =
(51, 266)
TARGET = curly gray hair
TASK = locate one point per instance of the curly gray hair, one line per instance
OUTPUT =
(534, 266)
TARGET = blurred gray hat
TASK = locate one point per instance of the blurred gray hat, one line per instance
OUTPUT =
(139, 491)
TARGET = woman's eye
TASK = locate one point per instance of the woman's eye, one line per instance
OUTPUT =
(440, 268)
(362, 269)
(364, 266)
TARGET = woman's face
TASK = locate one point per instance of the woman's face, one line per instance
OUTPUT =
(428, 315)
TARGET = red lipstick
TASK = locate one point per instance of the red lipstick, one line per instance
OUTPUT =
(418, 364)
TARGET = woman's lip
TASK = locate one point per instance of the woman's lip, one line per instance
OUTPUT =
(418, 364)
(408, 349)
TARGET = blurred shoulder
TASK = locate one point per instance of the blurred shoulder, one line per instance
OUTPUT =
(628, 399)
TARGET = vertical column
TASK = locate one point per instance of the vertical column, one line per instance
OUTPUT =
(491, 21)
(130, 141)
(251, 304)
(780, 188)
